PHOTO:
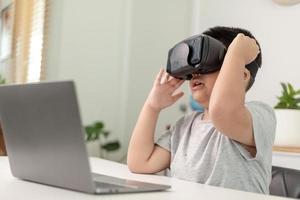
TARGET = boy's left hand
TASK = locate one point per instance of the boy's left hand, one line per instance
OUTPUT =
(163, 93)
(244, 48)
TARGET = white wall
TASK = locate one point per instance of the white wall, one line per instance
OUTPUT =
(85, 45)
(155, 27)
(276, 28)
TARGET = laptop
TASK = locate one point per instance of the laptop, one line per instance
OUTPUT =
(45, 140)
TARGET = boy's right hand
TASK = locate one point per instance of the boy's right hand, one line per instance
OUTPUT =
(244, 47)
(162, 93)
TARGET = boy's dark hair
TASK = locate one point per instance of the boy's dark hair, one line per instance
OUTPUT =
(226, 36)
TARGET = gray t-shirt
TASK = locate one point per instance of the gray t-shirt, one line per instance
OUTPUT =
(202, 154)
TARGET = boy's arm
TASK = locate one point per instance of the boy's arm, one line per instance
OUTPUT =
(143, 155)
(227, 103)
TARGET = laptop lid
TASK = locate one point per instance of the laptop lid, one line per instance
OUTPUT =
(44, 134)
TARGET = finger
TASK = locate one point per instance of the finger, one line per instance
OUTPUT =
(159, 77)
(167, 76)
(177, 96)
(178, 84)
(173, 81)
(240, 35)
(257, 49)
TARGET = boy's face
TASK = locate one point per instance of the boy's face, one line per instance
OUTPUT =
(201, 86)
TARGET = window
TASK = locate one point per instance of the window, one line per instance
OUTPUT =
(29, 41)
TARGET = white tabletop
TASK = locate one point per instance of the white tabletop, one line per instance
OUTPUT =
(13, 188)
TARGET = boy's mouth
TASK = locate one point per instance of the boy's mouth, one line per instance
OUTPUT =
(197, 84)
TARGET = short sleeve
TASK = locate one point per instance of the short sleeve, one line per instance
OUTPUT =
(164, 140)
(169, 140)
(264, 125)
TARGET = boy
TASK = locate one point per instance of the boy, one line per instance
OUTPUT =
(227, 145)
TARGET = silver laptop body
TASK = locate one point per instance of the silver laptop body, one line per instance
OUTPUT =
(45, 139)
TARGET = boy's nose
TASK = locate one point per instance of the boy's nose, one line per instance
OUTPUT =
(196, 75)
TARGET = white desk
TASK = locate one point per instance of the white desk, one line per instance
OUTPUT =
(13, 188)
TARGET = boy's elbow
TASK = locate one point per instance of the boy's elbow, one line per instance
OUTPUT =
(134, 169)
(131, 166)
(137, 168)
(132, 163)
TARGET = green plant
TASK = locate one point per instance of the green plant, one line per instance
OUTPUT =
(96, 131)
(289, 98)
(2, 79)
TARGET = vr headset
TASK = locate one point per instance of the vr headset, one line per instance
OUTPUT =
(199, 54)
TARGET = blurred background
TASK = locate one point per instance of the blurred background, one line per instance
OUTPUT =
(113, 49)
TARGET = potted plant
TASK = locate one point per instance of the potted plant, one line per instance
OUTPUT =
(97, 140)
(287, 113)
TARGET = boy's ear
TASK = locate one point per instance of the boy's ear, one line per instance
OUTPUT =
(247, 75)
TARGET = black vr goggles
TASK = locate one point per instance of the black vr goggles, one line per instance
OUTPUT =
(200, 54)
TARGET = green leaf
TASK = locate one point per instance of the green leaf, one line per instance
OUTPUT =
(297, 100)
(284, 87)
(111, 146)
(281, 105)
(283, 98)
(106, 133)
(2, 80)
(288, 98)
(99, 125)
(89, 132)
(297, 92)
(291, 90)
(93, 132)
